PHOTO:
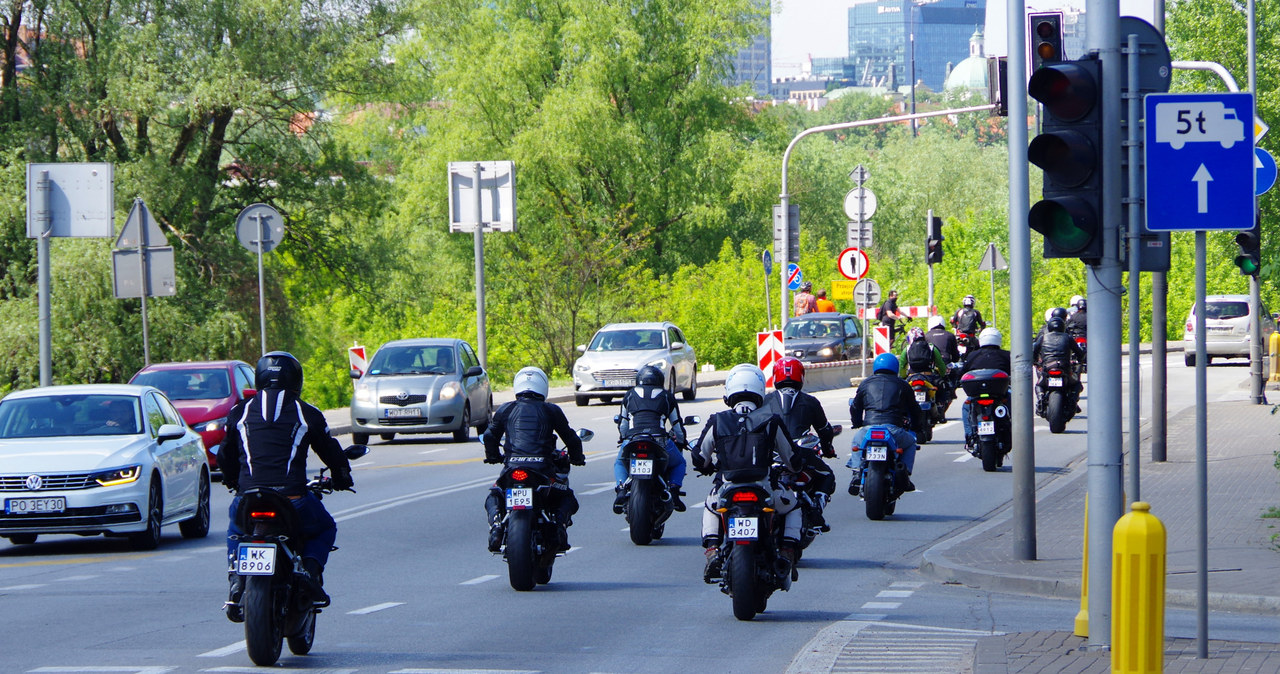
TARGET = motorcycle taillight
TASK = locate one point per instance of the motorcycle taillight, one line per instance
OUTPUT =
(745, 497)
(986, 401)
(1055, 373)
(519, 475)
(263, 515)
(879, 435)
(641, 455)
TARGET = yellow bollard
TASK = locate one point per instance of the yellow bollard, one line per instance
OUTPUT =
(1137, 592)
(1082, 618)
(1273, 347)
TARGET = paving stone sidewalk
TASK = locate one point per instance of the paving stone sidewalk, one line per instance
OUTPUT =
(1064, 652)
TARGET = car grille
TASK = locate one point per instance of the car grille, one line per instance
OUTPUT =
(613, 375)
(48, 482)
(411, 399)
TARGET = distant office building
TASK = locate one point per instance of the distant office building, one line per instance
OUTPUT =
(754, 64)
(880, 39)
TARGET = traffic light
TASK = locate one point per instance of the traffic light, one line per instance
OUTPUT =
(934, 243)
(1250, 258)
(1046, 38)
(1069, 151)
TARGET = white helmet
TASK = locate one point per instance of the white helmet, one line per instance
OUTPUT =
(969, 301)
(1074, 300)
(1048, 313)
(935, 322)
(744, 381)
(989, 337)
(531, 380)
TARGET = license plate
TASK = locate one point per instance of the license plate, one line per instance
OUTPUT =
(27, 506)
(256, 559)
(520, 498)
(744, 528)
(877, 453)
(986, 428)
(921, 396)
(402, 412)
(642, 467)
(619, 383)
(1055, 382)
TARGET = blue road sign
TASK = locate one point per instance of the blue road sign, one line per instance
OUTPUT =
(1200, 161)
(767, 259)
(1266, 169)
(794, 277)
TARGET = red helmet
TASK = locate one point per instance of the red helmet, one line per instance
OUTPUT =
(788, 372)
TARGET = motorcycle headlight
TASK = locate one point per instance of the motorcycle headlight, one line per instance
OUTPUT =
(117, 476)
(363, 394)
(450, 390)
(826, 352)
(212, 425)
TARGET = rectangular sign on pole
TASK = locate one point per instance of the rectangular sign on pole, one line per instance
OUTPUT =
(842, 289)
(162, 280)
(81, 200)
(497, 196)
(793, 234)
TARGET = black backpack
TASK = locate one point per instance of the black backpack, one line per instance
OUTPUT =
(920, 356)
(744, 444)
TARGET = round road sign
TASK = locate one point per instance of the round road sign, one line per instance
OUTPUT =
(259, 222)
(853, 263)
(867, 293)
(860, 204)
(794, 276)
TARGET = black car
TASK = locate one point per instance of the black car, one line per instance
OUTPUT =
(823, 337)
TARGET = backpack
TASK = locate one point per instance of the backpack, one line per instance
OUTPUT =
(744, 445)
(920, 356)
(880, 313)
(966, 320)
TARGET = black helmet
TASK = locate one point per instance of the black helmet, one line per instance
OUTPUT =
(649, 376)
(279, 370)
(1058, 312)
(806, 286)
(1080, 304)
(1055, 324)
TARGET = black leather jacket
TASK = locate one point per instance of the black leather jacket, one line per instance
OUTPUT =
(651, 409)
(987, 358)
(884, 398)
(1078, 324)
(530, 425)
(1055, 348)
(800, 412)
(268, 437)
(945, 340)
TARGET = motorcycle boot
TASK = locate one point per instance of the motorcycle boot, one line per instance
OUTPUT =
(856, 483)
(620, 499)
(235, 613)
(788, 552)
(819, 503)
(713, 570)
(676, 503)
(495, 534)
(903, 479)
(313, 579)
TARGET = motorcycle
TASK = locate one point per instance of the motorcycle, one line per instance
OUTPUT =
(802, 484)
(926, 397)
(1082, 341)
(276, 603)
(988, 392)
(753, 567)
(531, 534)
(882, 472)
(1059, 393)
(966, 341)
(648, 498)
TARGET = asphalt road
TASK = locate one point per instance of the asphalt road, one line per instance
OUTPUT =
(415, 590)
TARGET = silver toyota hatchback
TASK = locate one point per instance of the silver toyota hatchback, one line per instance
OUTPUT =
(1226, 324)
(421, 386)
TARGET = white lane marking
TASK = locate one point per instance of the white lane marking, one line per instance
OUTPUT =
(362, 464)
(911, 584)
(478, 580)
(255, 670)
(375, 608)
(608, 418)
(964, 456)
(31, 586)
(131, 670)
(433, 451)
(868, 617)
(124, 568)
(894, 594)
(75, 578)
(947, 424)
(881, 605)
(597, 490)
(465, 671)
(625, 529)
(169, 559)
(237, 647)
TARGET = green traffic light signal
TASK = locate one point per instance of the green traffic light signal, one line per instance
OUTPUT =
(1249, 260)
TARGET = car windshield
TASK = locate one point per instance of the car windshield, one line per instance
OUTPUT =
(195, 384)
(628, 340)
(812, 329)
(1223, 310)
(398, 360)
(69, 415)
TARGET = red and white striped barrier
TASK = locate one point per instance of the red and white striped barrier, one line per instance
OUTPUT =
(917, 311)
(881, 340)
(768, 351)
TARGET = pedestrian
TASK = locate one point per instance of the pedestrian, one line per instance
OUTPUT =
(805, 302)
(823, 304)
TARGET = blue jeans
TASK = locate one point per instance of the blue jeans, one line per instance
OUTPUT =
(676, 466)
(906, 441)
(318, 528)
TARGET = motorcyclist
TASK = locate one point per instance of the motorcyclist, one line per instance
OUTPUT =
(650, 409)
(1055, 349)
(530, 424)
(885, 399)
(279, 428)
(1072, 305)
(802, 412)
(1078, 323)
(967, 319)
(1050, 314)
(746, 420)
(942, 338)
(988, 356)
(922, 357)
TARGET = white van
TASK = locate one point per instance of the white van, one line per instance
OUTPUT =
(1226, 324)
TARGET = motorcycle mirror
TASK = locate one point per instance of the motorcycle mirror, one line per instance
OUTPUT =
(851, 402)
(617, 418)
(585, 434)
(355, 452)
(692, 420)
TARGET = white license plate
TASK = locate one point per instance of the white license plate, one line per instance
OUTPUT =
(922, 396)
(619, 383)
(877, 453)
(256, 559)
(402, 412)
(744, 528)
(27, 506)
(986, 428)
(520, 498)
(1055, 382)
(642, 466)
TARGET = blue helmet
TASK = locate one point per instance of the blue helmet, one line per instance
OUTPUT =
(885, 361)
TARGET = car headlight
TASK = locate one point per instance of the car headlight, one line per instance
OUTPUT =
(450, 390)
(660, 364)
(582, 367)
(826, 352)
(363, 394)
(117, 476)
(209, 426)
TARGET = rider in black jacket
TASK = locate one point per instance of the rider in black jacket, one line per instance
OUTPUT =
(266, 446)
(885, 399)
(1056, 349)
(530, 425)
(801, 412)
(939, 336)
(988, 356)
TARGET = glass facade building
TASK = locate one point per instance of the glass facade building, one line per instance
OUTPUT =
(880, 39)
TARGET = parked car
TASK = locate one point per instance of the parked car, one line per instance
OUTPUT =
(823, 337)
(113, 459)
(204, 392)
(1226, 324)
(421, 386)
(609, 363)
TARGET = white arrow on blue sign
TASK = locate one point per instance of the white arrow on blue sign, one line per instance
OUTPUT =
(1266, 165)
(1200, 161)
(794, 277)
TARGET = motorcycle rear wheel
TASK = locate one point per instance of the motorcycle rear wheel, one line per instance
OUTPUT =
(263, 624)
(640, 512)
(926, 433)
(521, 563)
(300, 643)
(989, 453)
(747, 595)
(1055, 412)
(875, 490)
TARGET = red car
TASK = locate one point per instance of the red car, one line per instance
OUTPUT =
(203, 393)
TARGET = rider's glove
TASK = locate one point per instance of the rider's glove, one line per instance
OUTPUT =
(341, 480)
(491, 458)
(231, 485)
(580, 461)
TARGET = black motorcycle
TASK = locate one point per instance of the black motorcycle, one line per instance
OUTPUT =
(648, 497)
(531, 534)
(276, 603)
(753, 569)
(988, 392)
(1059, 391)
(802, 483)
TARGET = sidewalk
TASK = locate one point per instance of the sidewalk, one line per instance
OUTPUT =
(1244, 564)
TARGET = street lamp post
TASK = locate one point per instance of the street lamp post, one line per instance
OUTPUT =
(912, 84)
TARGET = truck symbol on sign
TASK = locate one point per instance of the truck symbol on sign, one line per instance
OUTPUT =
(1197, 122)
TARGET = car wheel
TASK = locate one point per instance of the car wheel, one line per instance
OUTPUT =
(692, 392)
(149, 538)
(581, 401)
(359, 438)
(464, 430)
(671, 383)
(22, 539)
(198, 525)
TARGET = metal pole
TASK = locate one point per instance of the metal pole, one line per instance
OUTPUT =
(1202, 461)
(1106, 438)
(1021, 398)
(913, 67)
(481, 345)
(992, 274)
(1134, 208)
(262, 301)
(1258, 381)
(928, 225)
(1159, 336)
(44, 216)
(142, 268)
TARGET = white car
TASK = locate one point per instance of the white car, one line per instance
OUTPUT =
(608, 365)
(1226, 324)
(112, 459)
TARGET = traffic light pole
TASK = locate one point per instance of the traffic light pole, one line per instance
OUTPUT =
(928, 228)
(1258, 386)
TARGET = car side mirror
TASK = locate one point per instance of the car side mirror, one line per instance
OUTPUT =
(586, 434)
(582, 348)
(692, 420)
(249, 392)
(355, 374)
(170, 432)
(355, 452)
(473, 371)
(836, 428)
(676, 346)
